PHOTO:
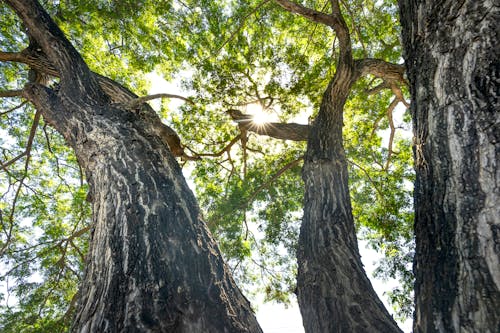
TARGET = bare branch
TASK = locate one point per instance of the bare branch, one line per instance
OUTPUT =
(138, 101)
(374, 184)
(12, 161)
(390, 109)
(11, 93)
(282, 131)
(29, 144)
(219, 153)
(14, 108)
(11, 56)
(378, 88)
(308, 13)
(273, 178)
(399, 95)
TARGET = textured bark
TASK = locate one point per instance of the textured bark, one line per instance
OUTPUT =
(452, 56)
(152, 264)
(334, 293)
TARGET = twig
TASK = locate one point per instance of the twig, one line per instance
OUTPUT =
(272, 179)
(138, 101)
(390, 109)
(14, 108)
(219, 153)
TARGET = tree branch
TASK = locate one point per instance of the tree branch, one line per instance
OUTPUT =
(219, 153)
(74, 72)
(11, 56)
(11, 93)
(14, 160)
(308, 13)
(273, 178)
(390, 109)
(29, 143)
(14, 108)
(282, 131)
(140, 100)
(389, 72)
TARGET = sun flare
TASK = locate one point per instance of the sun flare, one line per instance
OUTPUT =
(259, 116)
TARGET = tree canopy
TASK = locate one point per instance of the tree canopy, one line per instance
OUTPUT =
(233, 59)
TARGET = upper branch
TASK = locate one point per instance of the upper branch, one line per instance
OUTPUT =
(42, 29)
(140, 100)
(308, 13)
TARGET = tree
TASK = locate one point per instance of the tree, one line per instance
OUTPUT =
(333, 290)
(146, 224)
(237, 69)
(452, 58)
(279, 61)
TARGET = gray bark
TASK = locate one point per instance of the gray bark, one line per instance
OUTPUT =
(452, 55)
(334, 293)
(152, 265)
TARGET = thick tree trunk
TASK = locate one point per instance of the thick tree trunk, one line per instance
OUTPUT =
(152, 265)
(452, 55)
(334, 293)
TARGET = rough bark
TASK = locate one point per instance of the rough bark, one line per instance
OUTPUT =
(152, 264)
(452, 56)
(116, 93)
(334, 293)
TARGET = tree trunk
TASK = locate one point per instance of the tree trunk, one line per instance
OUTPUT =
(152, 265)
(334, 293)
(452, 56)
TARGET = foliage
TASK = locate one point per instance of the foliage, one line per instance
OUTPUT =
(235, 54)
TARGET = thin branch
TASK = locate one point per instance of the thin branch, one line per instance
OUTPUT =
(273, 178)
(390, 109)
(27, 153)
(34, 126)
(379, 191)
(11, 93)
(14, 108)
(378, 88)
(219, 153)
(138, 101)
(14, 160)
